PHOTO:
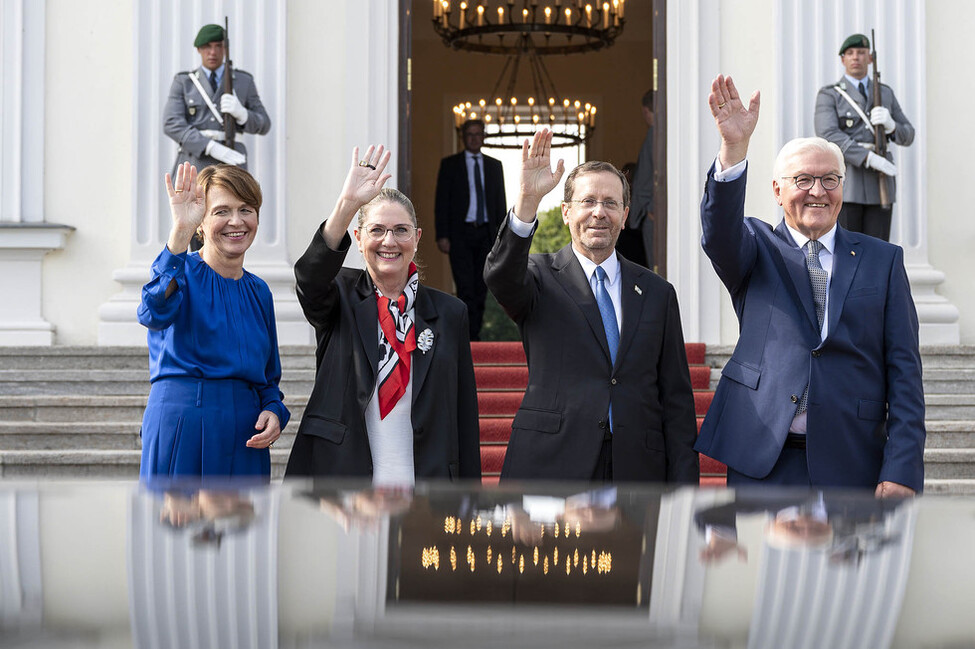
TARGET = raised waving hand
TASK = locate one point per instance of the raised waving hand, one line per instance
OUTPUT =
(365, 179)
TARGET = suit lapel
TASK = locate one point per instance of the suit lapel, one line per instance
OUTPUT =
(846, 259)
(631, 304)
(568, 272)
(425, 317)
(367, 322)
(795, 264)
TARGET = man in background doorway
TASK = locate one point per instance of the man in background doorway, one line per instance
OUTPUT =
(469, 208)
(641, 210)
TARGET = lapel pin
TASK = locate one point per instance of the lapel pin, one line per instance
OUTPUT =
(853, 253)
(425, 340)
(637, 289)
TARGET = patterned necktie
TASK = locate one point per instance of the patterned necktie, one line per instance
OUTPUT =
(817, 280)
(480, 217)
(608, 314)
(863, 89)
(213, 79)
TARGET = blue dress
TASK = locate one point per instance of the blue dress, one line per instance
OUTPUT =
(213, 365)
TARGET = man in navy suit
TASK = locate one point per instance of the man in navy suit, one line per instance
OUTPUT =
(469, 208)
(824, 386)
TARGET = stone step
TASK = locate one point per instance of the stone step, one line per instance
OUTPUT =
(949, 487)
(940, 407)
(953, 464)
(117, 382)
(94, 408)
(105, 465)
(100, 436)
(949, 380)
(947, 433)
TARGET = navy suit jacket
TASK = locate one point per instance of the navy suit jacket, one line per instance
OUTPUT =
(454, 195)
(865, 421)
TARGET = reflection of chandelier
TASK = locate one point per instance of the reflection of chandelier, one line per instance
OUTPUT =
(508, 120)
(493, 26)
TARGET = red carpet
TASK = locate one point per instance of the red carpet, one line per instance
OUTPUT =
(501, 373)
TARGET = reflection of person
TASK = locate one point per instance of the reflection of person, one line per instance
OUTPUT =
(845, 116)
(209, 513)
(824, 385)
(801, 521)
(394, 394)
(470, 205)
(641, 211)
(196, 107)
(213, 348)
(603, 402)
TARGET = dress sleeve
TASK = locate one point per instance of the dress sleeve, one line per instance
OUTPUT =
(270, 393)
(157, 311)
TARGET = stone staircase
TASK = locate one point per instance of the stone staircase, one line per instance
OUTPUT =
(76, 411)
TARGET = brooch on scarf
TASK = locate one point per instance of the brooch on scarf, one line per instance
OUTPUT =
(425, 340)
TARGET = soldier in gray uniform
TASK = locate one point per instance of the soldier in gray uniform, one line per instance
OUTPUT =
(193, 116)
(845, 116)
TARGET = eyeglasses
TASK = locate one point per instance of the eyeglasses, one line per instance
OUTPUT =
(590, 204)
(805, 182)
(401, 233)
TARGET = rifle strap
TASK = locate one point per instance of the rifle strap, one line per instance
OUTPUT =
(194, 77)
(856, 106)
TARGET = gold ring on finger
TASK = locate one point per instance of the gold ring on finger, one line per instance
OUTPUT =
(722, 104)
(178, 191)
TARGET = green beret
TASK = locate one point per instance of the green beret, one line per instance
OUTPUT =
(857, 40)
(208, 34)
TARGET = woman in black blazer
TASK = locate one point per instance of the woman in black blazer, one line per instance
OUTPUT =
(394, 394)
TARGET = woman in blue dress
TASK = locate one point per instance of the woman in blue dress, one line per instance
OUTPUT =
(214, 406)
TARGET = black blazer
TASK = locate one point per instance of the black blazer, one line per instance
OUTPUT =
(332, 440)
(454, 198)
(559, 428)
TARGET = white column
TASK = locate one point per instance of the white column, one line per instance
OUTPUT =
(24, 236)
(164, 31)
(693, 48)
(809, 36)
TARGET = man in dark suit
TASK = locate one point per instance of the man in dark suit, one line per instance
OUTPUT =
(824, 386)
(470, 206)
(609, 393)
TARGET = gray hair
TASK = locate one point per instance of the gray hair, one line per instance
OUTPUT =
(388, 195)
(803, 144)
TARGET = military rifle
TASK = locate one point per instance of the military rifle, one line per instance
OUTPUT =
(879, 133)
(229, 123)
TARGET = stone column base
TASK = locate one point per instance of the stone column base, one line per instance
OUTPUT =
(22, 250)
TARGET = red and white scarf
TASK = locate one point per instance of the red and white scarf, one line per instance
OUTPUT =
(397, 340)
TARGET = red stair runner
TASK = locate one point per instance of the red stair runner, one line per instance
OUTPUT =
(501, 373)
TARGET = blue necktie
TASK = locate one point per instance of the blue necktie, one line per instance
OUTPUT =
(480, 217)
(213, 79)
(608, 314)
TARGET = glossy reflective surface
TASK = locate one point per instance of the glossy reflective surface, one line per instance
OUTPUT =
(326, 564)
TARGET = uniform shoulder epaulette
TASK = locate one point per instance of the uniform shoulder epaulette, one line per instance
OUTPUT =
(183, 72)
(244, 72)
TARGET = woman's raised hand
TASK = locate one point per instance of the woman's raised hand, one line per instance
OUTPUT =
(187, 204)
(365, 179)
(366, 176)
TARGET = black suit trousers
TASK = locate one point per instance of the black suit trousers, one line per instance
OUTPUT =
(469, 248)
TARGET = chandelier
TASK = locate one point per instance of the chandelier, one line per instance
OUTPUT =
(494, 26)
(508, 120)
